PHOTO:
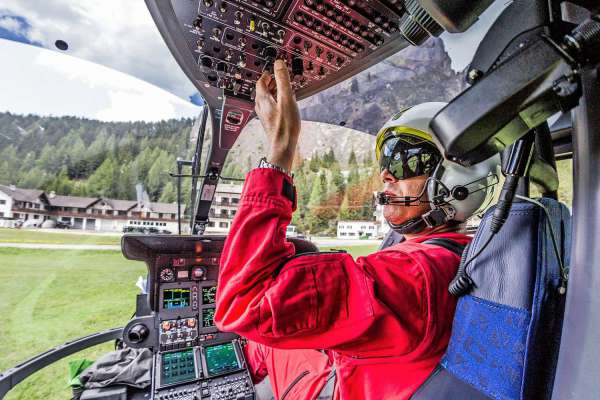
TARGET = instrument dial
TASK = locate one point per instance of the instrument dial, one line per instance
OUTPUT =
(167, 275)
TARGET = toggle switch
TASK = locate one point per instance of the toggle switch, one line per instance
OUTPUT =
(297, 66)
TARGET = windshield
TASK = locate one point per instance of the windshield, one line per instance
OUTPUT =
(89, 142)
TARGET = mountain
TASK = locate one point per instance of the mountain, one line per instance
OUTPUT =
(366, 101)
(314, 137)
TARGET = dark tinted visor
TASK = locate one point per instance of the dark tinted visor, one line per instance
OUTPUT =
(406, 160)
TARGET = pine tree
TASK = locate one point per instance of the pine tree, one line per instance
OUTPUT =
(353, 176)
(169, 193)
(328, 158)
(60, 184)
(315, 162)
(101, 182)
(352, 161)
(5, 173)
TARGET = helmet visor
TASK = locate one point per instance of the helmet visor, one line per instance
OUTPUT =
(407, 159)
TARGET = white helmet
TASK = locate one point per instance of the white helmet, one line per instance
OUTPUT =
(455, 192)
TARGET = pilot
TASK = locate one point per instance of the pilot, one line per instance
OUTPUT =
(323, 325)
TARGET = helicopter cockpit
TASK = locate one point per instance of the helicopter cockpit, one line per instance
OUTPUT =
(538, 60)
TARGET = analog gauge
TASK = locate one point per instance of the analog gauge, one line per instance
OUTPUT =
(198, 273)
(167, 275)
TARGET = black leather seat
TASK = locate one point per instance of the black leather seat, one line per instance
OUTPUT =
(303, 246)
(506, 332)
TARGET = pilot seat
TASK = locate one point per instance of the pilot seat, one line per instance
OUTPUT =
(506, 331)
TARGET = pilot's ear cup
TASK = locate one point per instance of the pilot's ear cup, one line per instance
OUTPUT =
(303, 246)
(434, 189)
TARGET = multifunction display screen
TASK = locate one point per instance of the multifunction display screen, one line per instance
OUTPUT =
(208, 317)
(176, 298)
(221, 359)
(208, 295)
(178, 367)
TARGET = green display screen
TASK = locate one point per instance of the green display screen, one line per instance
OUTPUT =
(221, 358)
(176, 298)
(178, 366)
(208, 295)
(208, 317)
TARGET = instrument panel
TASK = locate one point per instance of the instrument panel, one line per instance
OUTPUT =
(192, 358)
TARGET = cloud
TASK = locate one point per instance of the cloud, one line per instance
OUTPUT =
(45, 82)
(15, 28)
(12, 24)
(116, 33)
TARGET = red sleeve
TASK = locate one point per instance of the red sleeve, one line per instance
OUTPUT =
(318, 301)
(256, 359)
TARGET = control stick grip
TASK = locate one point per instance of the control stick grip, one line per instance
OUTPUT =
(138, 333)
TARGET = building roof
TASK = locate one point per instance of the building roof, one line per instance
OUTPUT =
(71, 201)
(120, 205)
(166, 208)
(29, 195)
(33, 196)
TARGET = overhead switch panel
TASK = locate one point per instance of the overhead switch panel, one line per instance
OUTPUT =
(231, 42)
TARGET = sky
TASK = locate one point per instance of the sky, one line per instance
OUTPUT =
(50, 83)
(122, 36)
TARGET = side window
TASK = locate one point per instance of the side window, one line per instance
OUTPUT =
(565, 190)
(565, 181)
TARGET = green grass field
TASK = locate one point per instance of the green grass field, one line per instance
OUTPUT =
(41, 237)
(355, 250)
(48, 297)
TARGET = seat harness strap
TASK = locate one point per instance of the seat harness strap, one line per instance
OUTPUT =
(447, 244)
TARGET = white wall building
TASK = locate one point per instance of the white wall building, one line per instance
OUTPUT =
(382, 225)
(223, 208)
(21, 205)
(356, 229)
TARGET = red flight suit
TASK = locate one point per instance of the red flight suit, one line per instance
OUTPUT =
(383, 320)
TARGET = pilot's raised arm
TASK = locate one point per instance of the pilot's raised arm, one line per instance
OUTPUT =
(383, 320)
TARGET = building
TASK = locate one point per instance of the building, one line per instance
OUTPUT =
(382, 226)
(356, 229)
(111, 215)
(87, 213)
(224, 207)
(21, 204)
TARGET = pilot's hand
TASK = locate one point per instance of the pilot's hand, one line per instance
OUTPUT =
(277, 110)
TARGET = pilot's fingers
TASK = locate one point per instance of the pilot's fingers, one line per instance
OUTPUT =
(272, 86)
(282, 78)
(263, 93)
(262, 85)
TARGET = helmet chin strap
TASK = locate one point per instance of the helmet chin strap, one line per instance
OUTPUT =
(430, 219)
(413, 225)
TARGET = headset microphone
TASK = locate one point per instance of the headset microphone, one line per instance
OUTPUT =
(385, 199)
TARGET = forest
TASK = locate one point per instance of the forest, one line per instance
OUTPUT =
(81, 157)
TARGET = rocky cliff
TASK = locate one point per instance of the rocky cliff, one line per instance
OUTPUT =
(366, 101)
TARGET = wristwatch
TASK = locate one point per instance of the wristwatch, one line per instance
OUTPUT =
(287, 189)
(263, 163)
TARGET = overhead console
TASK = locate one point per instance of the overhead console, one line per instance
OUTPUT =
(227, 44)
(192, 358)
